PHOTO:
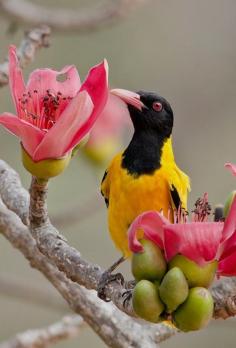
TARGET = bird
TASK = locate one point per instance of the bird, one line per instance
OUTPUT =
(145, 175)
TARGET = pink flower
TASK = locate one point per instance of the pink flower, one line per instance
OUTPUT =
(54, 111)
(106, 135)
(231, 167)
(200, 241)
(114, 118)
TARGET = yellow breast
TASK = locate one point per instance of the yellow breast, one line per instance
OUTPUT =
(129, 196)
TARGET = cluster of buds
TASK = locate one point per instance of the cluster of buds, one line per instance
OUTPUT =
(175, 263)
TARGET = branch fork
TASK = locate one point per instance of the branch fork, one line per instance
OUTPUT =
(65, 268)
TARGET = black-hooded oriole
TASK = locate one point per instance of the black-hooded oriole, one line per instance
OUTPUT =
(145, 176)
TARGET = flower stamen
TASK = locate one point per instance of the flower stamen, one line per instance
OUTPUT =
(202, 209)
(44, 111)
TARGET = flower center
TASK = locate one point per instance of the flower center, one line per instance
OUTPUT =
(202, 209)
(42, 110)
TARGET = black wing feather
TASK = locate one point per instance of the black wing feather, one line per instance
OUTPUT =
(105, 198)
(175, 197)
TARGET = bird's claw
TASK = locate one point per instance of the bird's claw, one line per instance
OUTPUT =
(106, 279)
(127, 295)
(130, 284)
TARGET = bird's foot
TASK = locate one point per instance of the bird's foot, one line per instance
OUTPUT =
(107, 277)
(130, 284)
(127, 295)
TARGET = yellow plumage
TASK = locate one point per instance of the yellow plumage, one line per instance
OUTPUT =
(129, 196)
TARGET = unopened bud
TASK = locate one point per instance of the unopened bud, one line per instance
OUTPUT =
(47, 168)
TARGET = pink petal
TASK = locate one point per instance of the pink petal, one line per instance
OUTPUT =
(228, 242)
(96, 84)
(228, 247)
(16, 80)
(227, 266)
(152, 223)
(128, 97)
(55, 142)
(111, 123)
(30, 135)
(199, 241)
(66, 81)
(231, 167)
(230, 222)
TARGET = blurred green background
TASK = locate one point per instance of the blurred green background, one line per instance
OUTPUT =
(184, 50)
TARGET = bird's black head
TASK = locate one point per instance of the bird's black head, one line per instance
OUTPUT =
(155, 114)
(152, 118)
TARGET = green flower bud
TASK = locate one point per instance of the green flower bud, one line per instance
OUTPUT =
(47, 168)
(195, 274)
(149, 264)
(173, 289)
(228, 203)
(196, 312)
(146, 302)
(101, 153)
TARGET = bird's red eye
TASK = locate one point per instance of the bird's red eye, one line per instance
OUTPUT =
(157, 106)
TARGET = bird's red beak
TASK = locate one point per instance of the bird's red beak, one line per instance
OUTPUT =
(128, 97)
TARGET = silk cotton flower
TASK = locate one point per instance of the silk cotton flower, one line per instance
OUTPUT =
(200, 241)
(107, 136)
(54, 111)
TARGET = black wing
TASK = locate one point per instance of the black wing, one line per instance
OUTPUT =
(175, 197)
(104, 189)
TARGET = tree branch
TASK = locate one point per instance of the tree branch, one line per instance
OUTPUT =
(53, 245)
(224, 294)
(13, 195)
(65, 19)
(115, 328)
(69, 260)
(68, 327)
(33, 40)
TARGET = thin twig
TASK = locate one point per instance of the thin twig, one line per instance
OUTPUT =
(64, 19)
(33, 40)
(68, 327)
